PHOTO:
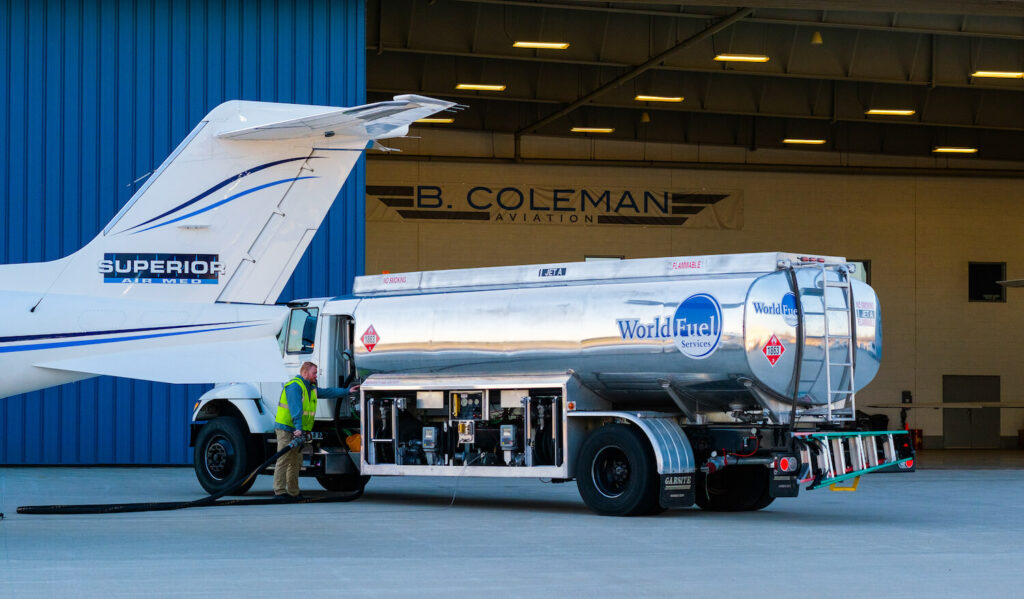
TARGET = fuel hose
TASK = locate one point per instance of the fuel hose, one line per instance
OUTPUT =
(213, 500)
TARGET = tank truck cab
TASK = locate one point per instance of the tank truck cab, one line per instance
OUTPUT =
(232, 429)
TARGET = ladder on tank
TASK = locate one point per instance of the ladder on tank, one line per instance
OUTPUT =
(832, 457)
(846, 360)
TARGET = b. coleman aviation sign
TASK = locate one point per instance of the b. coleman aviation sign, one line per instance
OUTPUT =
(569, 205)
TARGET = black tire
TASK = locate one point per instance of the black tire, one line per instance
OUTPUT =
(764, 501)
(224, 456)
(734, 489)
(616, 473)
(342, 483)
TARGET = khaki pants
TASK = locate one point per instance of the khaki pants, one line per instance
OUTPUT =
(286, 471)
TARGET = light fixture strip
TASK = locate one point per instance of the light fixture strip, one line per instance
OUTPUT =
(742, 58)
(647, 98)
(435, 121)
(999, 74)
(892, 111)
(482, 87)
(954, 150)
(803, 141)
(592, 130)
(542, 45)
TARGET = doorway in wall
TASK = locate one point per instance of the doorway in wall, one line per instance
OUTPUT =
(970, 428)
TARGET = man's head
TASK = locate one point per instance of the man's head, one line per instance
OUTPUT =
(308, 371)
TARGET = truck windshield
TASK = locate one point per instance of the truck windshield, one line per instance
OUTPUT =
(302, 330)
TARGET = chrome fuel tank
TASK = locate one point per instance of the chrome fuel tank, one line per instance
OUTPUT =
(718, 329)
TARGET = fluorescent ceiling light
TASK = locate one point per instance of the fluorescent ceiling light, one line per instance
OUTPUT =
(646, 98)
(481, 87)
(441, 121)
(742, 58)
(592, 130)
(891, 111)
(999, 74)
(807, 142)
(954, 150)
(542, 45)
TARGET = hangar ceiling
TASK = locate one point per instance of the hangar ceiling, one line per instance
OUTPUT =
(828, 64)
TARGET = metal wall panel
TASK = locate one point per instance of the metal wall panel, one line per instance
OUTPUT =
(94, 94)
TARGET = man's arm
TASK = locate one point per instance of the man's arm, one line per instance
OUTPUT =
(294, 395)
(348, 397)
(331, 392)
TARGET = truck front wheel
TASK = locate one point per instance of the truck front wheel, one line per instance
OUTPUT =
(223, 456)
(616, 473)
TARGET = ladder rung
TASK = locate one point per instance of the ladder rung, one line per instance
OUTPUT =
(836, 285)
(840, 364)
(841, 391)
(830, 309)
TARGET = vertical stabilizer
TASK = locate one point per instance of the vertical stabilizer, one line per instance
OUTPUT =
(230, 212)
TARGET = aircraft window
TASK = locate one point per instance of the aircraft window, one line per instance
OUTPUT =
(302, 330)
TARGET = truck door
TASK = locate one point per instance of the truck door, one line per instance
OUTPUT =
(337, 368)
(337, 365)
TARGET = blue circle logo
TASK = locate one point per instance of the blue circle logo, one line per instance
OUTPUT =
(697, 326)
(789, 309)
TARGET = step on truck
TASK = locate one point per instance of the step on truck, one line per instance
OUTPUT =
(724, 381)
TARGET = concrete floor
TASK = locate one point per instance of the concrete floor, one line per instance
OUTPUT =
(934, 533)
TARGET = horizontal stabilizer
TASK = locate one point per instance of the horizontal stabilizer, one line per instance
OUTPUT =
(257, 360)
(372, 121)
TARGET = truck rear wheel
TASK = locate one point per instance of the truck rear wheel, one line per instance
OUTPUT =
(616, 473)
(224, 456)
(734, 489)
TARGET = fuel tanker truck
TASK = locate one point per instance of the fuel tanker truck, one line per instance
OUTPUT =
(723, 381)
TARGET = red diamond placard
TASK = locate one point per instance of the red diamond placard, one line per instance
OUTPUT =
(370, 339)
(773, 350)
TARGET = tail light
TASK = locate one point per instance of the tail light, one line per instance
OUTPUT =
(787, 464)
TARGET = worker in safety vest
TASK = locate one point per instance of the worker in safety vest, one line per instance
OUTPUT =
(296, 412)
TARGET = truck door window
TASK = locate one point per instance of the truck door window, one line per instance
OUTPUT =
(302, 330)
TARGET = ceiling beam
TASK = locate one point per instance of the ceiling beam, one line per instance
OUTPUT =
(821, 23)
(843, 118)
(998, 8)
(639, 69)
(688, 69)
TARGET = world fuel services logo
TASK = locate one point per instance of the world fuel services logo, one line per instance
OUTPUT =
(696, 326)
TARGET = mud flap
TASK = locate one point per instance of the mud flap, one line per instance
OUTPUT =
(677, 490)
(783, 485)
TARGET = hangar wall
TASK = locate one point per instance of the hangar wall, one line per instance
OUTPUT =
(93, 96)
(919, 232)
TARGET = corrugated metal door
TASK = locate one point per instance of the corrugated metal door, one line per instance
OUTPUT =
(93, 96)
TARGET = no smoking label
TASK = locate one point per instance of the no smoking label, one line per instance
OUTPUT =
(370, 339)
(773, 350)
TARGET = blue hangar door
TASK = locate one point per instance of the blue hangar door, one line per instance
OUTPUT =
(93, 96)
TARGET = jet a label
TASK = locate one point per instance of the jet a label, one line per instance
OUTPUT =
(158, 269)
(696, 326)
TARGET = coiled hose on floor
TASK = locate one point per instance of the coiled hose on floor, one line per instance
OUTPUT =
(209, 501)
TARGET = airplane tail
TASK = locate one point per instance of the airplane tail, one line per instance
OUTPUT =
(229, 213)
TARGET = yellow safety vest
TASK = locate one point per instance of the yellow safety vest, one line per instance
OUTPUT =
(284, 415)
